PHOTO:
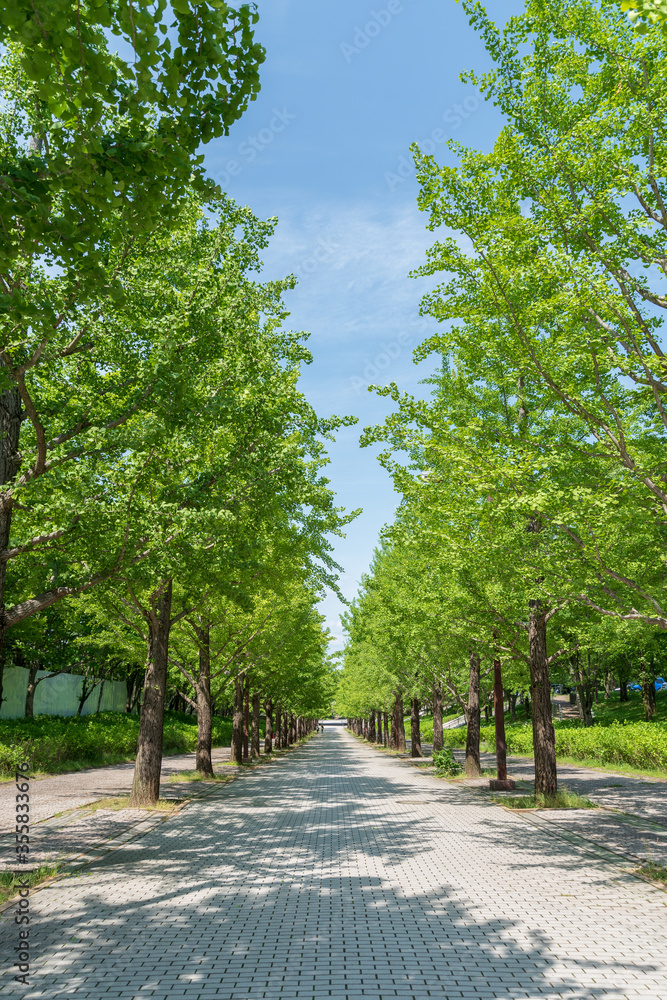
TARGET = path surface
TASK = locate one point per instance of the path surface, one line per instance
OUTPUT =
(341, 872)
(50, 796)
(628, 793)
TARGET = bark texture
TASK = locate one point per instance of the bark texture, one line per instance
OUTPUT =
(499, 713)
(437, 717)
(236, 752)
(30, 690)
(268, 731)
(415, 731)
(254, 741)
(204, 708)
(400, 724)
(10, 462)
(246, 718)
(472, 765)
(146, 783)
(544, 735)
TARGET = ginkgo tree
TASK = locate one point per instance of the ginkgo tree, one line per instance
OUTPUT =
(99, 157)
(553, 250)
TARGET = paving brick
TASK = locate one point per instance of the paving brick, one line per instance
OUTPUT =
(343, 873)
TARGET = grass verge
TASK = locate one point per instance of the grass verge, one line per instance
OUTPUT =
(563, 799)
(198, 776)
(58, 744)
(654, 871)
(123, 802)
(10, 882)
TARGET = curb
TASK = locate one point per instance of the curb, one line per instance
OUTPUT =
(141, 827)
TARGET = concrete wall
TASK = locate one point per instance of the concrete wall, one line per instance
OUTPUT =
(56, 696)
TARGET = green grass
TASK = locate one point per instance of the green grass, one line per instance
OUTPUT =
(632, 710)
(198, 776)
(117, 802)
(563, 799)
(654, 871)
(640, 745)
(426, 725)
(10, 883)
(53, 744)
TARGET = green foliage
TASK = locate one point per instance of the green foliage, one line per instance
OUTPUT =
(654, 871)
(95, 134)
(11, 882)
(445, 762)
(52, 744)
(640, 744)
(644, 13)
(563, 799)
(534, 474)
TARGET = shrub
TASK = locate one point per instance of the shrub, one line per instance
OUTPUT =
(640, 744)
(52, 742)
(445, 762)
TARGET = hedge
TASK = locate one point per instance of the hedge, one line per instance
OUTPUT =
(48, 742)
(640, 744)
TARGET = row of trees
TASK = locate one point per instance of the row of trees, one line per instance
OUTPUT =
(533, 522)
(160, 471)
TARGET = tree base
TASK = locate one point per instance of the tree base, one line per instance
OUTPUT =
(502, 784)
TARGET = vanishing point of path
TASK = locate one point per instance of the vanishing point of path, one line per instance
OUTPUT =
(341, 872)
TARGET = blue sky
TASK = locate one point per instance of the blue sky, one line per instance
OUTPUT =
(346, 88)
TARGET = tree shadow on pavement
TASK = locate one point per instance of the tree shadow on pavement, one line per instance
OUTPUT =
(325, 877)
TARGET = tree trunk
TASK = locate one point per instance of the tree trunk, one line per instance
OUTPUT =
(254, 741)
(285, 729)
(246, 717)
(415, 731)
(400, 723)
(371, 727)
(279, 728)
(511, 700)
(30, 692)
(648, 690)
(146, 783)
(204, 763)
(86, 691)
(99, 697)
(544, 735)
(437, 717)
(499, 716)
(582, 682)
(608, 684)
(378, 736)
(472, 765)
(623, 692)
(133, 691)
(236, 751)
(2, 673)
(387, 738)
(268, 731)
(10, 462)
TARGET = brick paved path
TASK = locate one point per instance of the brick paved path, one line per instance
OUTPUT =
(52, 795)
(310, 878)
